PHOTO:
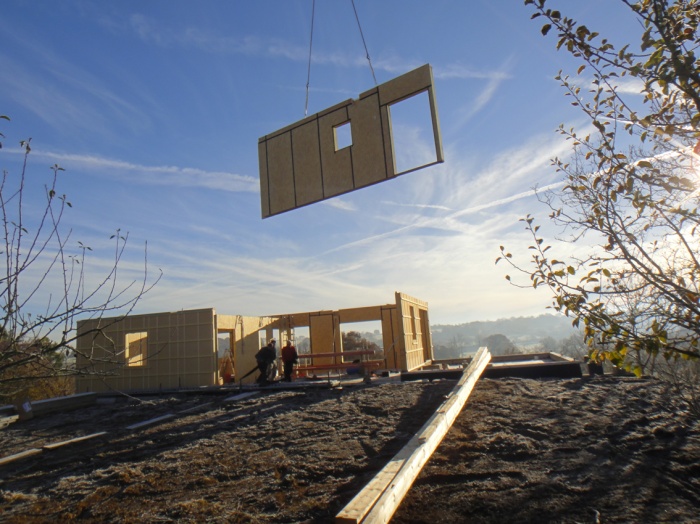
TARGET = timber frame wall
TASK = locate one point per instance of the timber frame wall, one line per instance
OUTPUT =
(180, 349)
(303, 163)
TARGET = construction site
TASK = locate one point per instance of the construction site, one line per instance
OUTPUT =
(163, 351)
(554, 450)
(170, 423)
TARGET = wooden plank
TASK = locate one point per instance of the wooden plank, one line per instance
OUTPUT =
(428, 440)
(240, 396)
(394, 483)
(357, 509)
(151, 421)
(342, 365)
(195, 408)
(357, 353)
(74, 440)
(18, 456)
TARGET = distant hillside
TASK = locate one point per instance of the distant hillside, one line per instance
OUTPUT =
(526, 333)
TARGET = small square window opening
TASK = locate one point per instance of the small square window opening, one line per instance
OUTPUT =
(343, 136)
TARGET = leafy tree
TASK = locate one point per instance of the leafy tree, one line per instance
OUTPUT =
(574, 346)
(457, 345)
(549, 344)
(37, 342)
(499, 345)
(631, 187)
(354, 341)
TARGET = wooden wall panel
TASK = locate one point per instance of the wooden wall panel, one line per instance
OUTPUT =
(369, 166)
(181, 352)
(289, 157)
(308, 176)
(264, 182)
(336, 165)
(182, 346)
(391, 337)
(280, 173)
(360, 314)
(325, 336)
(417, 343)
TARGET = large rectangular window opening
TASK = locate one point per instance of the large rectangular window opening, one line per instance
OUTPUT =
(224, 339)
(224, 345)
(136, 348)
(413, 138)
(302, 340)
(364, 339)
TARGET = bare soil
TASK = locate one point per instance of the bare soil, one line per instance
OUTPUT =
(615, 450)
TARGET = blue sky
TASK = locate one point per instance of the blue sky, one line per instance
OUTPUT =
(154, 109)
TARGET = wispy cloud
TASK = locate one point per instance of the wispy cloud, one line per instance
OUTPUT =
(151, 175)
(483, 97)
(338, 203)
(151, 31)
(492, 187)
(461, 72)
(416, 206)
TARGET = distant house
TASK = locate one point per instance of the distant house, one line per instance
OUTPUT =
(180, 349)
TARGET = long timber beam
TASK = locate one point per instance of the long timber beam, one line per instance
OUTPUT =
(380, 498)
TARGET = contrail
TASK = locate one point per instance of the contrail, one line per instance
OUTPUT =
(431, 221)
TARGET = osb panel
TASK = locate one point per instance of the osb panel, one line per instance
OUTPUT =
(308, 178)
(289, 157)
(406, 85)
(325, 338)
(180, 352)
(280, 166)
(392, 338)
(336, 165)
(368, 145)
(361, 314)
(226, 321)
(264, 185)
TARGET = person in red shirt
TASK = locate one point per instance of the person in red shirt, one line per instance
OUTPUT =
(289, 358)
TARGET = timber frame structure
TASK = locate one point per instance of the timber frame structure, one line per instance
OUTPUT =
(305, 162)
(180, 349)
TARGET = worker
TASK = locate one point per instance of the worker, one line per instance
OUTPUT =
(265, 358)
(289, 358)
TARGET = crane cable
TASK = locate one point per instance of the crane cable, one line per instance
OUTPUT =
(363, 42)
(308, 72)
(311, 40)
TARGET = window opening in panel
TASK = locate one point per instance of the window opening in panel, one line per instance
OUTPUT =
(413, 140)
(136, 348)
(343, 136)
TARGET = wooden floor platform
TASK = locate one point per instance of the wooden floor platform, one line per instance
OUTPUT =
(529, 365)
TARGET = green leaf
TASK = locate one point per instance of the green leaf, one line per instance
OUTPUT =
(546, 28)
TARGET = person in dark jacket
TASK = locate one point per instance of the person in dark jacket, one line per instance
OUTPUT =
(289, 358)
(265, 358)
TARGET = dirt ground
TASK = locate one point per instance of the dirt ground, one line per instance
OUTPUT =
(576, 450)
